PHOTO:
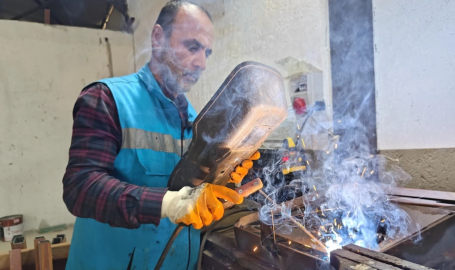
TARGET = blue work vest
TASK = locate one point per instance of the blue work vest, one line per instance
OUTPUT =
(151, 148)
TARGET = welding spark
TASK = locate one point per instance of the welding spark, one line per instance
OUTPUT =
(314, 187)
(336, 146)
(363, 171)
(303, 143)
(307, 246)
(371, 172)
(307, 162)
(255, 248)
(289, 242)
(335, 221)
(383, 220)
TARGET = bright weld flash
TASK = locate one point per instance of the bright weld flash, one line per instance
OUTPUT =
(255, 248)
(289, 242)
(383, 220)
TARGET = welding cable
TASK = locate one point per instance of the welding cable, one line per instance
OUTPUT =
(209, 230)
(168, 246)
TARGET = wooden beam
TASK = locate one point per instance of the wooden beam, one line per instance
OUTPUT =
(59, 251)
(45, 255)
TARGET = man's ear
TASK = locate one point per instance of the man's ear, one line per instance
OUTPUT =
(158, 37)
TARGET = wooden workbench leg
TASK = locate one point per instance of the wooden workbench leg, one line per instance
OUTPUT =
(15, 259)
(45, 255)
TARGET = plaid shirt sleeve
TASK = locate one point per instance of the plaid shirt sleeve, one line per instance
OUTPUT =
(89, 189)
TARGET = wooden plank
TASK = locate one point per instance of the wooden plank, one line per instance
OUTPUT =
(362, 260)
(385, 258)
(15, 259)
(59, 251)
(45, 255)
(423, 193)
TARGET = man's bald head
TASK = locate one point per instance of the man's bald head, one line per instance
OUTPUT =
(168, 13)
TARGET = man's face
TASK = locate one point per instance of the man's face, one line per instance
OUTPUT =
(184, 54)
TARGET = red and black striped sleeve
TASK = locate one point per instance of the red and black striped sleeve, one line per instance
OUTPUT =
(89, 189)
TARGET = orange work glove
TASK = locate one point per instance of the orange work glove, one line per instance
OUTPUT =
(197, 206)
(240, 171)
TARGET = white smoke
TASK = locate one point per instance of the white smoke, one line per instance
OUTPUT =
(345, 192)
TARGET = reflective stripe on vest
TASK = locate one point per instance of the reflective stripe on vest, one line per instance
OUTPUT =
(134, 138)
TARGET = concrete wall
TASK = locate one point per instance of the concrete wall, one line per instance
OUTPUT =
(415, 69)
(262, 31)
(415, 88)
(42, 71)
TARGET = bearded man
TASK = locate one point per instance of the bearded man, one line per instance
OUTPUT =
(128, 135)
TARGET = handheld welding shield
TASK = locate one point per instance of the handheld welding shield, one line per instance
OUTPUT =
(248, 106)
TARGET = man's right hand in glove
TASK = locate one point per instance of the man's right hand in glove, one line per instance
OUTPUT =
(197, 206)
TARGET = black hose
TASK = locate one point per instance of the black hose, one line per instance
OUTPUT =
(168, 246)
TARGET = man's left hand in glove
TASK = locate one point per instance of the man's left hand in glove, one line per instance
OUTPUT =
(197, 206)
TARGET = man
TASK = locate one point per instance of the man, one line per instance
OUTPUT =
(128, 135)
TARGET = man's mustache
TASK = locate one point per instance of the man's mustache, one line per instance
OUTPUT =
(194, 74)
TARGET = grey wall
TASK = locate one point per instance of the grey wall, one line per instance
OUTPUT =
(42, 71)
(415, 88)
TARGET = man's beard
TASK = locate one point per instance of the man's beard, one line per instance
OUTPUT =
(173, 75)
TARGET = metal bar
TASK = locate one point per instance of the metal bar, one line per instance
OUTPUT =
(36, 241)
(47, 16)
(41, 4)
(422, 193)
(361, 259)
(45, 255)
(108, 15)
(384, 258)
(109, 58)
(15, 262)
(19, 242)
(298, 224)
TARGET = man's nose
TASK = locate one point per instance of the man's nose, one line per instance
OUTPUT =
(200, 60)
